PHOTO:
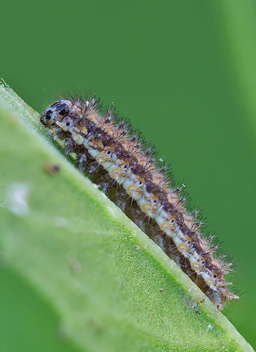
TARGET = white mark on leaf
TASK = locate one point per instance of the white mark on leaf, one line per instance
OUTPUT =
(17, 198)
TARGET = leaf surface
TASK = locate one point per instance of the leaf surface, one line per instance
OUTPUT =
(111, 286)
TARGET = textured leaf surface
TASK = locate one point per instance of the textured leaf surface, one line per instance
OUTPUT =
(112, 288)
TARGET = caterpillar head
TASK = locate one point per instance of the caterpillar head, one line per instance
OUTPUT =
(55, 113)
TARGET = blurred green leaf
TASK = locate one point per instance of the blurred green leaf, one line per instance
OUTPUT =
(239, 23)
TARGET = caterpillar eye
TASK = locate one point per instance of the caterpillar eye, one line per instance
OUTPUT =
(48, 114)
(61, 108)
(64, 111)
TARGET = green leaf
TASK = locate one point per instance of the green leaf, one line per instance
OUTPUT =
(239, 25)
(112, 287)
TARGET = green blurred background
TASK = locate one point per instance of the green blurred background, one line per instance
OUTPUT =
(183, 72)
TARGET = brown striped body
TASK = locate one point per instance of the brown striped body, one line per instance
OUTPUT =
(140, 188)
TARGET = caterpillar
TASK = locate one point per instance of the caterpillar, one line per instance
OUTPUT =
(127, 168)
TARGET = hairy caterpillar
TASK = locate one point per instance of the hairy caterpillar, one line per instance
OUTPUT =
(121, 163)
